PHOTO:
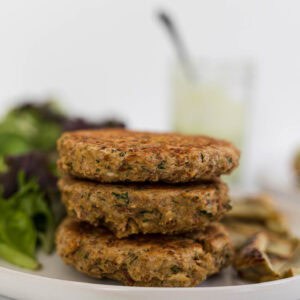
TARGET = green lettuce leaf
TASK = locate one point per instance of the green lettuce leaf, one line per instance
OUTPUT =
(25, 222)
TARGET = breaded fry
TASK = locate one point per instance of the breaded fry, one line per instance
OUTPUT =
(265, 248)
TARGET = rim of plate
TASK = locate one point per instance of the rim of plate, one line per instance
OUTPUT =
(99, 286)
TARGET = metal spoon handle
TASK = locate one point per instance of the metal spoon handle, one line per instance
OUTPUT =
(177, 40)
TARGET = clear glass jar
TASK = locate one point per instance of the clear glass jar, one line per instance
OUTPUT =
(213, 100)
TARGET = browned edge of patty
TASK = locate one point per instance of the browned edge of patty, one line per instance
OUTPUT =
(151, 260)
(148, 208)
(122, 155)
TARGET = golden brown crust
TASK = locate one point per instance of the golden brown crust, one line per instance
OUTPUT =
(264, 258)
(122, 155)
(144, 260)
(254, 214)
(265, 247)
(130, 209)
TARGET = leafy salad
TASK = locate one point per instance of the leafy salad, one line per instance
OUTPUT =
(30, 207)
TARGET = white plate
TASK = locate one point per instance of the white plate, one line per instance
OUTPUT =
(59, 282)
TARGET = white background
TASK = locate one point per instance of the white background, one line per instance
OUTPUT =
(112, 57)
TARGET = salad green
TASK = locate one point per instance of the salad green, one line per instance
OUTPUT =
(25, 128)
(30, 206)
(25, 221)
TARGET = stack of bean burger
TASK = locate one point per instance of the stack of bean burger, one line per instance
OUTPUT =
(143, 208)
